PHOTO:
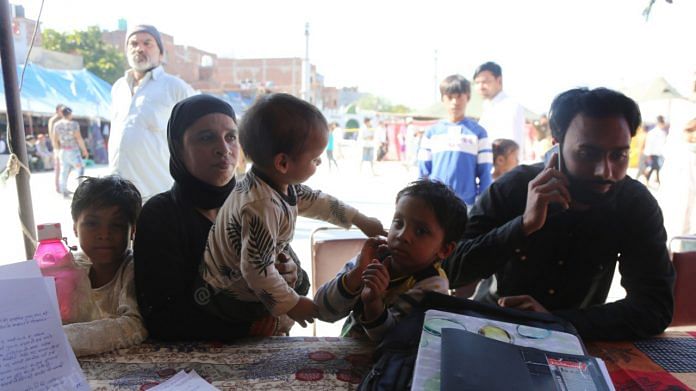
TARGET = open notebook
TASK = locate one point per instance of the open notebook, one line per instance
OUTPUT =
(427, 373)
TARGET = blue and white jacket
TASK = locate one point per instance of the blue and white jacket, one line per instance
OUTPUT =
(457, 154)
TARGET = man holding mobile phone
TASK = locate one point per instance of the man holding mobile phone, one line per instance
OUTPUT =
(553, 233)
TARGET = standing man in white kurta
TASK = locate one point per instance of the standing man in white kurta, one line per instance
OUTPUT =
(141, 102)
(502, 116)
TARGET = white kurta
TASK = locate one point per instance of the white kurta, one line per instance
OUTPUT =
(138, 149)
(503, 117)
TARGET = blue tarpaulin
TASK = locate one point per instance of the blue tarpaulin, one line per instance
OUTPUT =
(81, 90)
(239, 103)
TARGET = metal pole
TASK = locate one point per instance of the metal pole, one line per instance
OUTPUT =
(16, 124)
(306, 69)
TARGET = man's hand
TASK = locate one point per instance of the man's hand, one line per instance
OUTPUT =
(370, 251)
(370, 226)
(522, 302)
(375, 283)
(287, 269)
(548, 187)
(304, 311)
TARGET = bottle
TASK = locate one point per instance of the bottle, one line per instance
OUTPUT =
(72, 284)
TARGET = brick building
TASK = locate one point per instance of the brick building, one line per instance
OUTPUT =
(207, 72)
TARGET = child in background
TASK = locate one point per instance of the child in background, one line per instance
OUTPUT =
(284, 138)
(506, 156)
(104, 212)
(330, 146)
(428, 222)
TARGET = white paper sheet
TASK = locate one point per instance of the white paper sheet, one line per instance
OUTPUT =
(24, 269)
(183, 381)
(34, 351)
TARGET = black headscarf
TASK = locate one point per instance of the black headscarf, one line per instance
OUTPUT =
(186, 186)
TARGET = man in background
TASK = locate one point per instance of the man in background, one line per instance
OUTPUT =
(58, 115)
(502, 117)
(141, 103)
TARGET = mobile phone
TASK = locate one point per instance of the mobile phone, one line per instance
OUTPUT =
(554, 208)
(556, 148)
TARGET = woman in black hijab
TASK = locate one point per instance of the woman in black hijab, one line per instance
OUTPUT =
(173, 227)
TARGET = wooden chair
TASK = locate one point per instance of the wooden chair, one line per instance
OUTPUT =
(685, 286)
(332, 247)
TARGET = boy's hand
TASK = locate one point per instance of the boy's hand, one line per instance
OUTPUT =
(304, 311)
(375, 280)
(370, 251)
(370, 226)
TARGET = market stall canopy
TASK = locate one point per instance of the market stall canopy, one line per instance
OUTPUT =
(656, 89)
(81, 90)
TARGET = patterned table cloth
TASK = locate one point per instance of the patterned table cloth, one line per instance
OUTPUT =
(667, 362)
(287, 363)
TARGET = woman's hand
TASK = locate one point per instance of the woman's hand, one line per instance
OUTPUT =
(370, 226)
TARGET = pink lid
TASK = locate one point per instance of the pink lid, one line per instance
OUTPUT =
(50, 231)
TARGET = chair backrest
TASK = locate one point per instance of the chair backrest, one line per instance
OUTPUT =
(331, 249)
(685, 285)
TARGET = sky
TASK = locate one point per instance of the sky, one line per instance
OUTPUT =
(401, 49)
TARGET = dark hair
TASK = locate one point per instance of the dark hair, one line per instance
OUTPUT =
(660, 119)
(597, 103)
(60, 107)
(491, 67)
(278, 123)
(503, 146)
(455, 84)
(111, 190)
(66, 111)
(450, 210)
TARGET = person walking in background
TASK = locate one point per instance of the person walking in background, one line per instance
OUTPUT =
(366, 138)
(71, 148)
(502, 116)
(381, 140)
(141, 103)
(330, 146)
(58, 115)
(95, 140)
(654, 149)
(457, 151)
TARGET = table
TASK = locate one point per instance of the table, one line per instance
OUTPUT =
(288, 363)
(666, 362)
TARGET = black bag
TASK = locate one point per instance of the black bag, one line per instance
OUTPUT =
(395, 357)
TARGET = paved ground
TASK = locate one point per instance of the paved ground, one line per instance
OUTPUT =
(372, 194)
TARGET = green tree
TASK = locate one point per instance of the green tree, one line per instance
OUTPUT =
(100, 58)
(377, 103)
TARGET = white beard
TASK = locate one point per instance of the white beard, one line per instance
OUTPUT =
(142, 66)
